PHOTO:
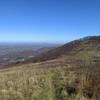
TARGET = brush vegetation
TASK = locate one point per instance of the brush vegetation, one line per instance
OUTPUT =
(41, 82)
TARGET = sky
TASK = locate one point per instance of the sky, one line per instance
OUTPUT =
(48, 20)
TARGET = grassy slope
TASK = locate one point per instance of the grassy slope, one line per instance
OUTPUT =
(86, 45)
(47, 81)
(72, 77)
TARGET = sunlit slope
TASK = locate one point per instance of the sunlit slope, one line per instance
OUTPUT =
(70, 72)
(85, 47)
(50, 81)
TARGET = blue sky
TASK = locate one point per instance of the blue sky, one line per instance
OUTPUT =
(48, 20)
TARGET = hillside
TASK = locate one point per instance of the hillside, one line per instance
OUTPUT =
(88, 46)
(69, 72)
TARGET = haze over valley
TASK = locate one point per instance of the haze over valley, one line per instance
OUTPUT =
(17, 52)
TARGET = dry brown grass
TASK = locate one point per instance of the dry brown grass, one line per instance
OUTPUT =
(40, 82)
